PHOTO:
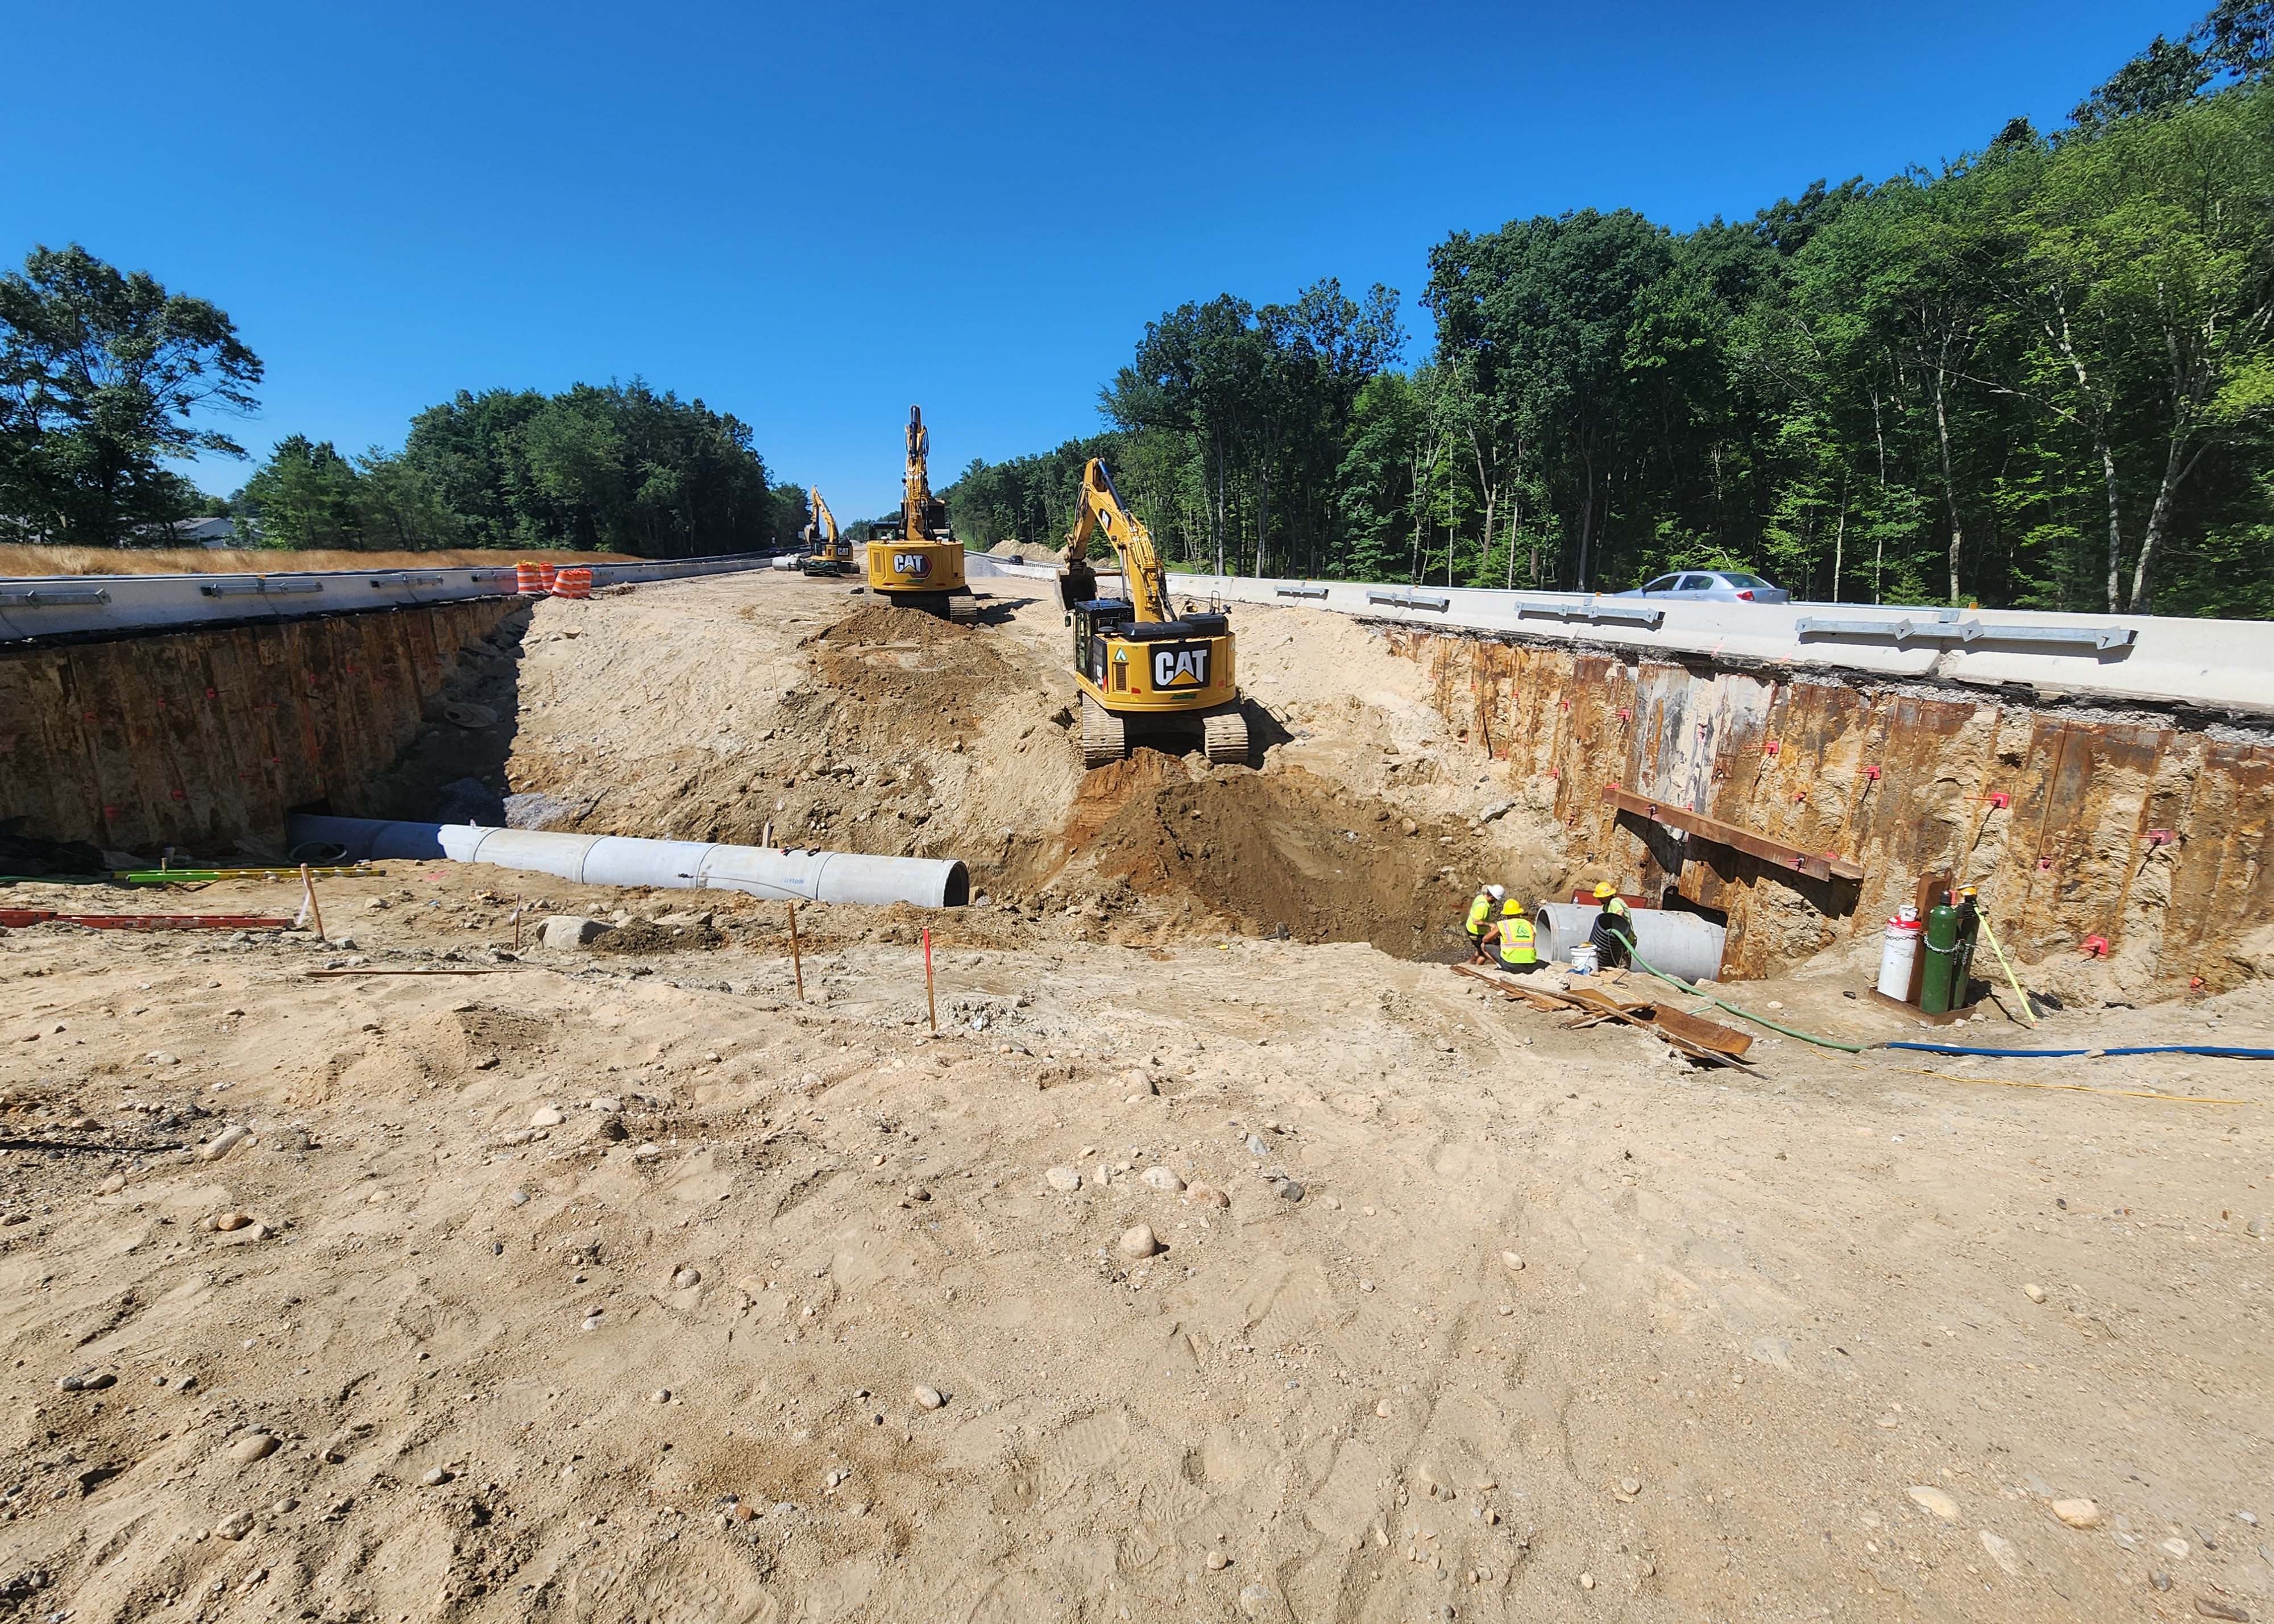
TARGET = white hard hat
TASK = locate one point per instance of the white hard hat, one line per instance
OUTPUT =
(1495, 893)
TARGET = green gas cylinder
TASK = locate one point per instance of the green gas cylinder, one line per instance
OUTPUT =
(1941, 959)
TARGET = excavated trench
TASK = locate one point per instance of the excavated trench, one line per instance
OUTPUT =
(753, 709)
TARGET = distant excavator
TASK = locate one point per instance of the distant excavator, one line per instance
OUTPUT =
(1147, 676)
(914, 561)
(826, 552)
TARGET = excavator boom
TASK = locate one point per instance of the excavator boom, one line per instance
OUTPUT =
(1099, 507)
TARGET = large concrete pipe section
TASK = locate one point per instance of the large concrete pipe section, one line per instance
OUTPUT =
(684, 865)
(1684, 944)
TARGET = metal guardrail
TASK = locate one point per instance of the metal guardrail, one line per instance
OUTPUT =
(1947, 627)
(49, 606)
(2225, 666)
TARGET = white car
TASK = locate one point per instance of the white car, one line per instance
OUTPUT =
(1712, 586)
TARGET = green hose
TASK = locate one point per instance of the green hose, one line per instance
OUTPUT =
(1645, 966)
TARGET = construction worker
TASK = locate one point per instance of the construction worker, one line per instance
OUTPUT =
(1480, 907)
(1613, 932)
(1513, 937)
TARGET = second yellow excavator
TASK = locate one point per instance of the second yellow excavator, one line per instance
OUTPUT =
(1147, 675)
(826, 552)
(914, 561)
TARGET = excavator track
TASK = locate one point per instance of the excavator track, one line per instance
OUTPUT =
(1104, 736)
(1223, 734)
(963, 609)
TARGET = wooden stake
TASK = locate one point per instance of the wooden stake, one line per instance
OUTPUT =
(796, 969)
(516, 924)
(930, 1001)
(315, 910)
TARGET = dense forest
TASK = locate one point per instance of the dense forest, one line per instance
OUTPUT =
(2041, 377)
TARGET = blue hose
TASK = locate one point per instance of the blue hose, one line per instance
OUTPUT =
(2060, 1054)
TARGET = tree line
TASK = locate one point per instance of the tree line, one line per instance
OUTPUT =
(617, 467)
(106, 376)
(2039, 377)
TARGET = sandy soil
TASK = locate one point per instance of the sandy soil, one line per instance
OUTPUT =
(606, 1285)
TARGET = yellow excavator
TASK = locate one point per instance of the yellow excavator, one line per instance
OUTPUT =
(1147, 675)
(826, 552)
(913, 562)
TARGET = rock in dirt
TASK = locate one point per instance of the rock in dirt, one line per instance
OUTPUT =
(435, 1477)
(2001, 1551)
(1511, 1262)
(1164, 1178)
(1207, 1195)
(1934, 1500)
(1138, 1241)
(112, 1186)
(547, 1116)
(235, 1526)
(1063, 1179)
(226, 1221)
(917, 1193)
(1256, 1600)
(1288, 1190)
(2035, 1293)
(228, 1139)
(86, 1381)
(572, 930)
(2210, 1609)
(2077, 1512)
(687, 1278)
(1256, 1147)
(930, 1398)
(252, 1446)
(1218, 1561)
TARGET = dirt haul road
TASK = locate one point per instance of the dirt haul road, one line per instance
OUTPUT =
(621, 1284)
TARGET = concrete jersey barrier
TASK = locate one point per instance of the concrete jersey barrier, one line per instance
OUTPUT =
(38, 607)
(2224, 666)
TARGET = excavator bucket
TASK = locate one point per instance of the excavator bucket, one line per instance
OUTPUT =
(1077, 584)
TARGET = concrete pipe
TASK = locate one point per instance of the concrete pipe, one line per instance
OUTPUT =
(681, 865)
(1684, 944)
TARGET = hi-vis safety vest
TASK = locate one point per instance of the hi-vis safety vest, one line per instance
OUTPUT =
(1479, 911)
(1516, 942)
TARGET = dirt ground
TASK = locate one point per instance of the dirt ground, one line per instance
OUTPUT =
(605, 1285)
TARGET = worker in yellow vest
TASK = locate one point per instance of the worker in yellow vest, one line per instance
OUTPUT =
(1613, 931)
(1480, 907)
(1513, 936)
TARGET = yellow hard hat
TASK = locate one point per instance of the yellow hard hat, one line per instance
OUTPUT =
(1605, 890)
(1511, 909)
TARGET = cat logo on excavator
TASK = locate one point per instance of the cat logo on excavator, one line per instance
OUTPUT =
(1181, 665)
(911, 564)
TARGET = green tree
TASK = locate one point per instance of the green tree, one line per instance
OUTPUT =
(104, 375)
(305, 495)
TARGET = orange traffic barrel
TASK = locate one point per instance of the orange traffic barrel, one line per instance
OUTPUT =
(529, 579)
(574, 583)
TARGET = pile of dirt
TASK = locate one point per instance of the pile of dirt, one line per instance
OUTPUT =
(886, 624)
(1284, 853)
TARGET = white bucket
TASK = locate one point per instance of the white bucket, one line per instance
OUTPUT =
(1897, 953)
(1584, 959)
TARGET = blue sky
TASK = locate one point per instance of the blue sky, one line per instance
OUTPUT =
(813, 216)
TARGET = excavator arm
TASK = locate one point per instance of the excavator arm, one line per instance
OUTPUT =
(825, 521)
(1099, 507)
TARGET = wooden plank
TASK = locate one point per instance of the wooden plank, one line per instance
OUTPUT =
(1704, 1033)
(1816, 866)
